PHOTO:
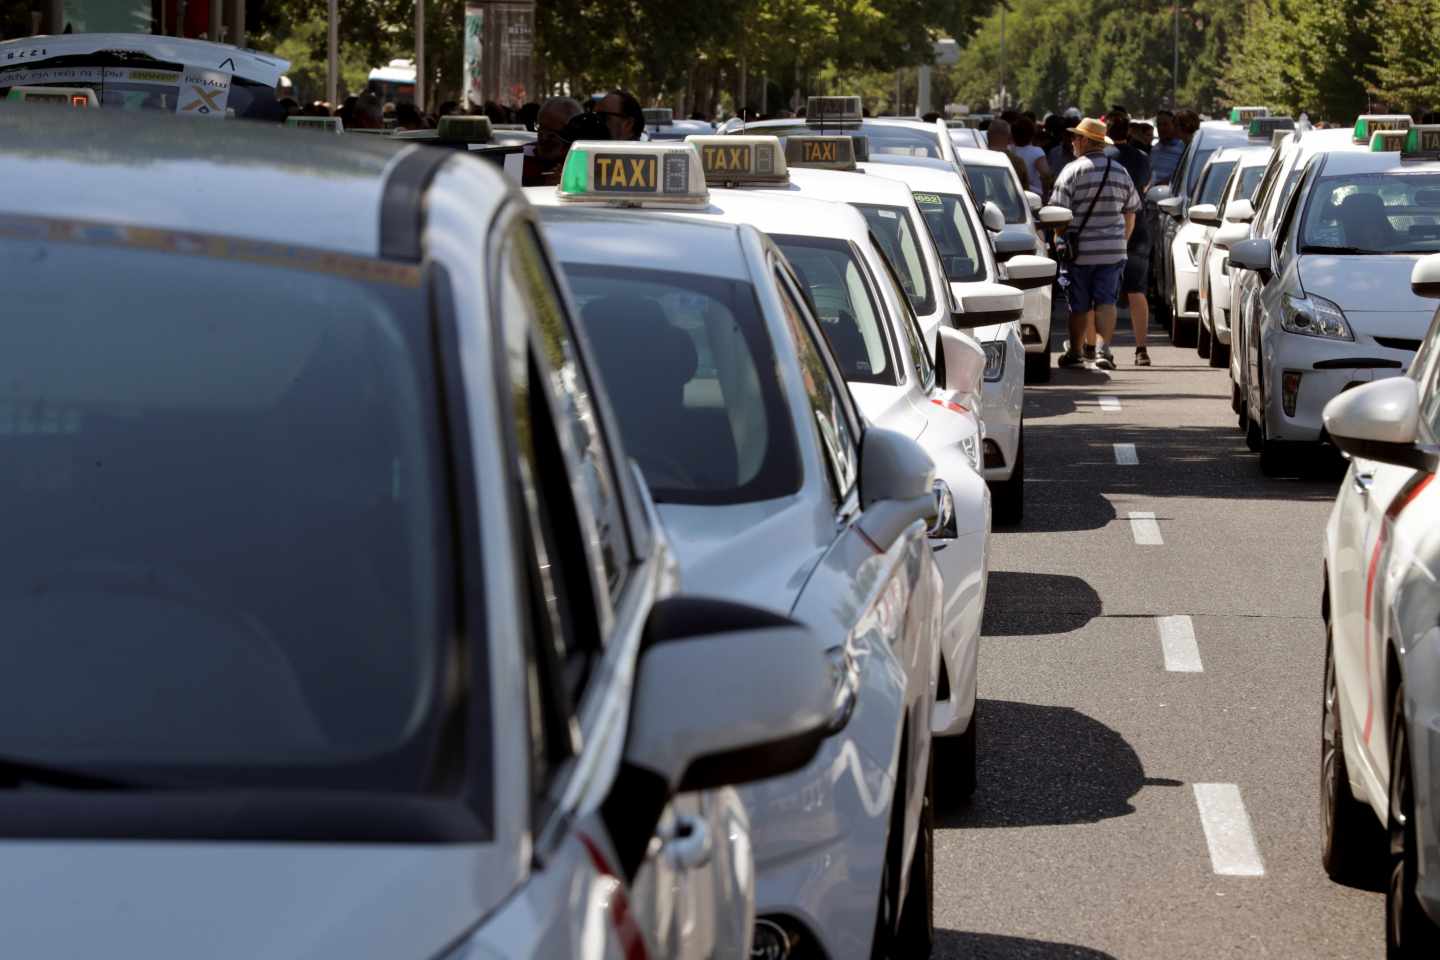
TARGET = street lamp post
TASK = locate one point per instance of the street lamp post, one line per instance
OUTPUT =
(332, 66)
(1175, 61)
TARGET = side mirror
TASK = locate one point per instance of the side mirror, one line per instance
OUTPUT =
(983, 304)
(1055, 216)
(1029, 272)
(1380, 421)
(1172, 206)
(1239, 211)
(1205, 214)
(959, 362)
(1425, 276)
(1231, 233)
(992, 216)
(1254, 255)
(704, 713)
(897, 481)
(1011, 243)
(1158, 193)
(1033, 198)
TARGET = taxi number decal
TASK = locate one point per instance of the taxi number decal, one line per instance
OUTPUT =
(1247, 115)
(727, 159)
(928, 199)
(1429, 141)
(821, 151)
(618, 171)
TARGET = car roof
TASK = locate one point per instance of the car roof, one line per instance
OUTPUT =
(773, 211)
(982, 158)
(942, 179)
(645, 240)
(1363, 161)
(262, 68)
(1316, 141)
(1254, 153)
(238, 178)
(851, 187)
(1226, 133)
(900, 160)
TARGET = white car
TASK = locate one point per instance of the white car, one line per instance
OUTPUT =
(993, 180)
(1229, 223)
(365, 642)
(1331, 306)
(774, 490)
(968, 259)
(1380, 742)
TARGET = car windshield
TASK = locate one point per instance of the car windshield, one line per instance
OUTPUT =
(997, 185)
(1389, 212)
(896, 139)
(222, 561)
(706, 421)
(892, 227)
(1213, 182)
(954, 236)
(845, 305)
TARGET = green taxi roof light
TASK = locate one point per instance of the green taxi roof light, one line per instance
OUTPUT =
(575, 177)
(633, 174)
(465, 128)
(833, 110)
(1366, 125)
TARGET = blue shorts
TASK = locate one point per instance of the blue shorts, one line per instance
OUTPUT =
(1093, 285)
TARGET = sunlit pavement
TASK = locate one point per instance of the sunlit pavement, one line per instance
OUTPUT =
(1088, 837)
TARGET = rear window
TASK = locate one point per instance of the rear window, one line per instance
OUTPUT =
(902, 245)
(691, 373)
(223, 505)
(844, 304)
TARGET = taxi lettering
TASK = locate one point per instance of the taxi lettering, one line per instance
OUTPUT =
(821, 151)
(726, 158)
(621, 172)
(1429, 141)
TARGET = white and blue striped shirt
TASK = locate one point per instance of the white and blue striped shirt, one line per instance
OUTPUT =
(1103, 239)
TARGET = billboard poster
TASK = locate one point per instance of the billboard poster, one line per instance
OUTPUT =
(474, 78)
(505, 46)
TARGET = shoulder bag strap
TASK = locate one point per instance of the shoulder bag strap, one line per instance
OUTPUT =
(1095, 199)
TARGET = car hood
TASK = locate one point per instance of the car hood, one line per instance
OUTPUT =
(748, 551)
(1369, 284)
(888, 407)
(78, 900)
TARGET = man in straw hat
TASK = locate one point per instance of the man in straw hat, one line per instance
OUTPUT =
(1104, 202)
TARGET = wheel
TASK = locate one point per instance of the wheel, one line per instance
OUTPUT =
(1276, 457)
(1349, 832)
(1037, 366)
(1219, 354)
(1254, 439)
(1409, 932)
(1182, 331)
(955, 760)
(1007, 497)
(1236, 403)
(1204, 342)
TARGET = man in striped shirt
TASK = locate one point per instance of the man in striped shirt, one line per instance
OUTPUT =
(1103, 201)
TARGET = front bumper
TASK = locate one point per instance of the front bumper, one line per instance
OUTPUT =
(1002, 407)
(1187, 290)
(1325, 368)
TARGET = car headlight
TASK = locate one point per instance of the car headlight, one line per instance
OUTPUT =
(1313, 317)
(1194, 250)
(971, 447)
(994, 361)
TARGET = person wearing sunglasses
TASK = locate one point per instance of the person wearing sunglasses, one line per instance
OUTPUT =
(622, 114)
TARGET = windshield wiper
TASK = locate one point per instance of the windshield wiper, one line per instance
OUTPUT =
(15, 772)
(1336, 249)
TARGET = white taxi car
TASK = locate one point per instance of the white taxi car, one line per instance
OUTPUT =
(774, 490)
(1380, 742)
(1229, 223)
(393, 662)
(1332, 306)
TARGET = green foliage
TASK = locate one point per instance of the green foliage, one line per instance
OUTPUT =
(1407, 62)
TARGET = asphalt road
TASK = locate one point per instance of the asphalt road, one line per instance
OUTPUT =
(1085, 838)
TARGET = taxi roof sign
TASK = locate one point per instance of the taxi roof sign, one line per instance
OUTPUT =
(1243, 115)
(822, 110)
(1263, 129)
(631, 173)
(658, 116)
(1367, 124)
(1421, 140)
(734, 160)
(323, 124)
(464, 128)
(77, 97)
(824, 152)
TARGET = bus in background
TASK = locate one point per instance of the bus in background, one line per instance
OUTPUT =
(394, 83)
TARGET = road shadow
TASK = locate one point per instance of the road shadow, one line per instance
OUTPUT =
(1026, 604)
(1041, 765)
(955, 944)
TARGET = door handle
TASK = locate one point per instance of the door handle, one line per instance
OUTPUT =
(1362, 482)
(687, 843)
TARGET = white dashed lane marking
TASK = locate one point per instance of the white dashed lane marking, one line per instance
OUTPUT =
(1144, 528)
(1177, 642)
(1110, 404)
(1125, 454)
(1228, 833)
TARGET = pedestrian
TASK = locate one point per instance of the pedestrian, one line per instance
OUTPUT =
(1023, 131)
(407, 117)
(529, 114)
(997, 138)
(1142, 135)
(1063, 151)
(1165, 155)
(1188, 123)
(1136, 278)
(367, 114)
(544, 158)
(623, 114)
(1104, 202)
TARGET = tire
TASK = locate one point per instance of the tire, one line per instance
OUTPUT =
(1204, 342)
(1182, 331)
(1007, 497)
(1276, 457)
(1409, 933)
(916, 937)
(1037, 366)
(1219, 354)
(1254, 439)
(1350, 835)
(1235, 401)
(955, 759)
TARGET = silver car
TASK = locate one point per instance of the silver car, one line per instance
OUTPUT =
(338, 624)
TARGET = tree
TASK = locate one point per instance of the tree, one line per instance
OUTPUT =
(1407, 64)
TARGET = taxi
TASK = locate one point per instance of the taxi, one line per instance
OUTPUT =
(1331, 306)
(141, 71)
(1197, 219)
(1380, 739)
(395, 661)
(875, 136)
(774, 489)
(1229, 222)
(1023, 231)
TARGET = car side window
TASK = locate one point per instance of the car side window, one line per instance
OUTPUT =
(596, 485)
(919, 356)
(835, 424)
